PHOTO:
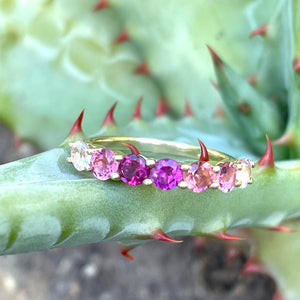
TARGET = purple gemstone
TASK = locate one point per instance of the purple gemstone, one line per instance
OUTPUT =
(133, 169)
(102, 163)
(199, 177)
(226, 177)
(166, 174)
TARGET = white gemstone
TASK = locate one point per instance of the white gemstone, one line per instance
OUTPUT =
(79, 156)
(243, 175)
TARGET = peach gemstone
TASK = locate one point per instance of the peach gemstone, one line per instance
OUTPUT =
(199, 177)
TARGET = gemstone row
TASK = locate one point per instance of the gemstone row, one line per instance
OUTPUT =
(165, 174)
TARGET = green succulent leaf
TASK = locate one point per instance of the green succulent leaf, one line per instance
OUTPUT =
(64, 56)
(45, 202)
(82, 67)
(280, 253)
(60, 57)
(246, 105)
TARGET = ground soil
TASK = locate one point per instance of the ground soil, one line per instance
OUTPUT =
(160, 271)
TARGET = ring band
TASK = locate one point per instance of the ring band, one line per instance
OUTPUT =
(106, 158)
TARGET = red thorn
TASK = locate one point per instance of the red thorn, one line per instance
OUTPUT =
(252, 79)
(267, 161)
(282, 229)
(161, 236)
(17, 142)
(137, 111)
(162, 108)
(287, 139)
(109, 118)
(204, 154)
(101, 5)
(123, 37)
(188, 110)
(232, 254)
(200, 242)
(215, 84)
(227, 237)
(244, 108)
(132, 148)
(261, 30)
(219, 113)
(142, 69)
(296, 64)
(216, 59)
(124, 252)
(253, 266)
(278, 296)
(76, 128)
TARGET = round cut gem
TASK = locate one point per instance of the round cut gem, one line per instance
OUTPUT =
(244, 174)
(102, 163)
(199, 176)
(133, 169)
(79, 156)
(227, 176)
(166, 174)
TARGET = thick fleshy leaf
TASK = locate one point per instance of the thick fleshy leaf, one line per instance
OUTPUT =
(280, 252)
(77, 63)
(60, 58)
(45, 202)
(246, 106)
(274, 65)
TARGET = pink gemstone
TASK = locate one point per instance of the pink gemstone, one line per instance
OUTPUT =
(166, 174)
(103, 164)
(199, 177)
(226, 177)
(133, 169)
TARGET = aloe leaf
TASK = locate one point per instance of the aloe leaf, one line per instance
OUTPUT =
(46, 203)
(291, 136)
(185, 130)
(238, 93)
(75, 59)
(176, 50)
(280, 253)
(54, 56)
(274, 65)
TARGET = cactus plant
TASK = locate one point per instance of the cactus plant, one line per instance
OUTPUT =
(103, 56)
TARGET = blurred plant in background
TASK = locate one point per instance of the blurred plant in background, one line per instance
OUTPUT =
(58, 58)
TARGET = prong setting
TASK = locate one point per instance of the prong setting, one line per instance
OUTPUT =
(214, 186)
(238, 183)
(90, 151)
(115, 176)
(185, 167)
(107, 164)
(118, 157)
(182, 185)
(148, 182)
(216, 169)
(150, 162)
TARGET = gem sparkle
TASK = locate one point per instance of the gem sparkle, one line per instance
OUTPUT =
(165, 174)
